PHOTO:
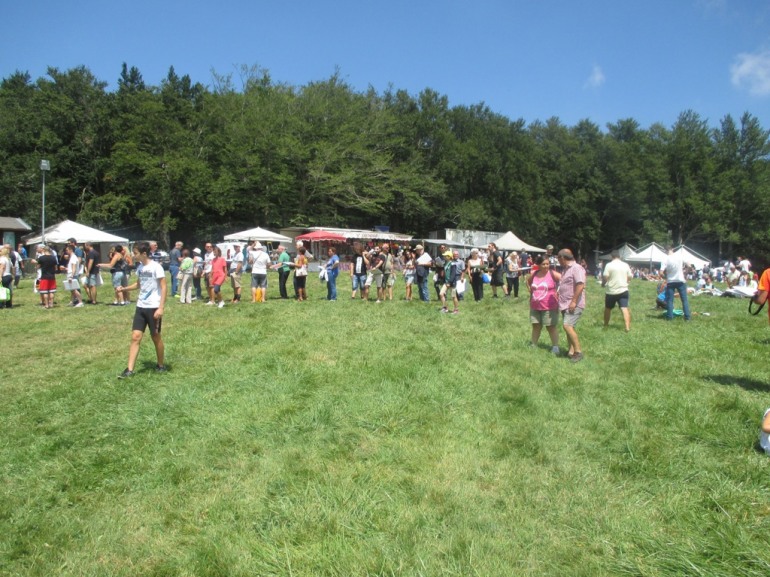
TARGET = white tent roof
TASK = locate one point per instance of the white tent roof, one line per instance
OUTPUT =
(691, 257)
(260, 234)
(652, 252)
(626, 251)
(60, 233)
(510, 241)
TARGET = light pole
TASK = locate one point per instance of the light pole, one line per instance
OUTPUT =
(45, 166)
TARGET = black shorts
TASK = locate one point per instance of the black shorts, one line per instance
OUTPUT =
(301, 281)
(611, 300)
(144, 318)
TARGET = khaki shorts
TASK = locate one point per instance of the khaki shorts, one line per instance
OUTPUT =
(235, 280)
(545, 318)
(446, 290)
(571, 319)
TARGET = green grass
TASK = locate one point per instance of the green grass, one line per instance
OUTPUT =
(348, 439)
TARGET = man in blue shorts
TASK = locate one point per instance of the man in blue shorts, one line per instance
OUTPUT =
(151, 281)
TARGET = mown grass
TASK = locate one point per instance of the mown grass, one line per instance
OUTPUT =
(347, 438)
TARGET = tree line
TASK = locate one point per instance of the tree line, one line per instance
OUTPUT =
(191, 161)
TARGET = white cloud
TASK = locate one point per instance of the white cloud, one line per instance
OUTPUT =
(752, 72)
(596, 79)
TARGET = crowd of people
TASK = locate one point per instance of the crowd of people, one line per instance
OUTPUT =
(555, 282)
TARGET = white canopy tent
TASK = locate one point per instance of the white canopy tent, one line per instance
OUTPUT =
(260, 234)
(510, 241)
(652, 252)
(691, 257)
(626, 252)
(62, 232)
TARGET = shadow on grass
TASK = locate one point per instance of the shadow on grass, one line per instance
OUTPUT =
(742, 382)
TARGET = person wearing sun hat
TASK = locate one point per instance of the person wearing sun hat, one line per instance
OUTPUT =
(451, 275)
(260, 261)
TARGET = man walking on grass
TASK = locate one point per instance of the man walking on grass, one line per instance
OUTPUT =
(572, 300)
(615, 279)
(151, 281)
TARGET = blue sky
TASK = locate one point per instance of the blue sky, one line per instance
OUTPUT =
(603, 60)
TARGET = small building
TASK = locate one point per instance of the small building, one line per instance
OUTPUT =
(13, 229)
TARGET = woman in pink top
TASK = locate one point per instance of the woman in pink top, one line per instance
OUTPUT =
(544, 302)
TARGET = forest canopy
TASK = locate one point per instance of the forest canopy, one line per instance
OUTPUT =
(189, 161)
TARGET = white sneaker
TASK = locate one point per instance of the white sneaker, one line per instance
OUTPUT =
(210, 303)
(79, 305)
(221, 304)
(555, 351)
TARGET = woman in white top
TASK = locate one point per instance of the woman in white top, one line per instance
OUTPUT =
(474, 269)
(6, 273)
(74, 270)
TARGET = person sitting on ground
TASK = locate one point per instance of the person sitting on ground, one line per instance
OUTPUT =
(660, 298)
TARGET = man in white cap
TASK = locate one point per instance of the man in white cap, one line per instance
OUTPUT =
(423, 262)
(197, 273)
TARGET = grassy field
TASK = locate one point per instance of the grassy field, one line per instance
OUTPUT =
(352, 439)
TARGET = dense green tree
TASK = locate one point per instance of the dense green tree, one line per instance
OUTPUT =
(158, 168)
(741, 184)
(689, 161)
(182, 159)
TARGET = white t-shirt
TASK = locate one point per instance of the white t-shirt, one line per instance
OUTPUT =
(617, 274)
(207, 259)
(259, 261)
(238, 258)
(744, 265)
(149, 284)
(673, 268)
(8, 270)
(74, 267)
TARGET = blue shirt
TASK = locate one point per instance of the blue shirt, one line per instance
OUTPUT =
(330, 263)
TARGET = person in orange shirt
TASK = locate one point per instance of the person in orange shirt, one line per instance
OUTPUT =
(762, 290)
